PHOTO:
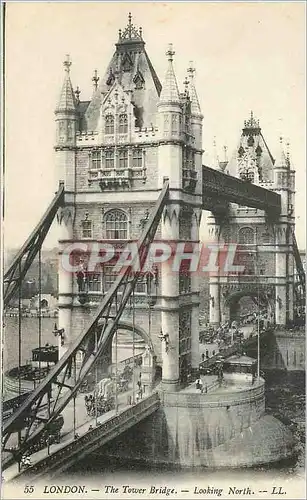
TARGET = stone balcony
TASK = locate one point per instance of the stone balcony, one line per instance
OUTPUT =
(109, 178)
(189, 178)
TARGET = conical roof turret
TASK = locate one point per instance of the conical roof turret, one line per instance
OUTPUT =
(67, 100)
(282, 161)
(195, 106)
(170, 92)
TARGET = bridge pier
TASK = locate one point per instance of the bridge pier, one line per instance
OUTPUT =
(170, 305)
(195, 355)
(214, 281)
(214, 305)
(65, 281)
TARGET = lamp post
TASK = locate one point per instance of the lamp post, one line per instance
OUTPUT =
(59, 332)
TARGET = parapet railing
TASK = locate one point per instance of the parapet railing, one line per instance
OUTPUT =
(61, 455)
(214, 400)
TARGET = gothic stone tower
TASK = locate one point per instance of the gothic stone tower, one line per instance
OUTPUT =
(268, 244)
(113, 153)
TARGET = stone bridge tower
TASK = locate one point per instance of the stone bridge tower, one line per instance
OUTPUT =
(267, 242)
(113, 153)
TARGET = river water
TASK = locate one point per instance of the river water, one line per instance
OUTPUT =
(285, 394)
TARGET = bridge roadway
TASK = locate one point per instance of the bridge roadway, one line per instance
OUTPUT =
(108, 426)
(62, 455)
(232, 349)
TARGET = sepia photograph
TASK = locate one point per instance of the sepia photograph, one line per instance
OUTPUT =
(153, 250)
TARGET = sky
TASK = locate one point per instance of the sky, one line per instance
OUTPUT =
(248, 56)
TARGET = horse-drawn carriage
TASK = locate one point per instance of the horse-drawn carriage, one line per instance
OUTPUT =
(98, 404)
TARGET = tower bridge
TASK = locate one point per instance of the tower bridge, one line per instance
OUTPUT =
(129, 164)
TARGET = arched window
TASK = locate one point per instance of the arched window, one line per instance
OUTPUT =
(137, 158)
(109, 124)
(116, 224)
(123, 124)
(246, 236)
(123, 158)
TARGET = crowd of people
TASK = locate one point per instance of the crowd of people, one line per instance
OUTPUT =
(230, 332)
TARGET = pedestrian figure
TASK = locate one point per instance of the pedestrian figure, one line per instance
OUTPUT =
(199, 384)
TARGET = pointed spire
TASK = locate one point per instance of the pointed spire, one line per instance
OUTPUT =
(195, 107)
(77, 94)
(288, 158)
(186, 86)
(67, 101)
(281, 160)
(95, 79)
(225, 153)
(170, 92)
(216, 160)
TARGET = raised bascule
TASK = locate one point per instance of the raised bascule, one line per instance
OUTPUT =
(129, 163)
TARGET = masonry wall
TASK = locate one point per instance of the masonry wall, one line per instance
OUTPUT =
(196, 430)
(148, 179)
(281, 351)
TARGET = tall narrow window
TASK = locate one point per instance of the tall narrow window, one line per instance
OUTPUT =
(96, 160)
(109, 276)
(188, 159)
(109, 158)
(116, 225)
(137, 158)
(94, 282)
(123, 158)
(86, 227)
(109, 124)
(140, 286)
(123, 124)
(246, 236)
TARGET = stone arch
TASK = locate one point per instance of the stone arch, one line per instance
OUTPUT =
(232, 300)
(246, 235)
(106, 355)
(44, 303)
(125, 325)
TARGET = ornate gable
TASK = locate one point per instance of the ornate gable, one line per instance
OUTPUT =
(132, 68)
(252, 160)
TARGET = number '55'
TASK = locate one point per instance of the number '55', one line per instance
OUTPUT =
(29, 489)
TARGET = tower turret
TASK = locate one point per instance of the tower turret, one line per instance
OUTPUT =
(170, 124)
(66, 119)
(282, 177)
(196, 126)
(283, 238)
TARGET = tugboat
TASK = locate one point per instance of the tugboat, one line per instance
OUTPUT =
(21, 380)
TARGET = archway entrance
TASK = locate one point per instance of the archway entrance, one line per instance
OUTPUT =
(126, 348)
(245, 304)
(127, 357)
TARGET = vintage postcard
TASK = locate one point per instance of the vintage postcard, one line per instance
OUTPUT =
(154, 251)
